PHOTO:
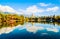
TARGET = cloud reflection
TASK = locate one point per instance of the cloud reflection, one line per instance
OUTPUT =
(33, 29)
(6, 30)
(52, 29)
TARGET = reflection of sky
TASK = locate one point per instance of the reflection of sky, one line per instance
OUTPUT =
(28, 30)
(32, 28)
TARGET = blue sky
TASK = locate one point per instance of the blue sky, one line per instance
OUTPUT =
(24, 4)
(21, 3)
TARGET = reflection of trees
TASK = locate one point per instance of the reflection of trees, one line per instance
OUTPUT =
(5, 24)
(44, 22)
(7, 20)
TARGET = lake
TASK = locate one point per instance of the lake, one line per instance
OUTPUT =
(31, 30)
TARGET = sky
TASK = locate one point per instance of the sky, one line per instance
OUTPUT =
(27, 7)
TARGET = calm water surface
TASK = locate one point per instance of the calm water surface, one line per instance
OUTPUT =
(31, 31)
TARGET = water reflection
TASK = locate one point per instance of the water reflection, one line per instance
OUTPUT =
(42, 26)
(32, 27)
(6, 30)
(44, 22)
(5, 24)
(20, 29)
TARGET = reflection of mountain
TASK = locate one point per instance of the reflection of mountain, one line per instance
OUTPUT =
(6, 30)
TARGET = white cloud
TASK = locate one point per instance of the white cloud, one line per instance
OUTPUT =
(9, 9)
(29, 10)
(34, 9)
(20, 27)
(43, 4)
(21, 11)
(34, 29)
(53, 9)
(52, 29)
(40, 10)
(6, 9)
(6, 30)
